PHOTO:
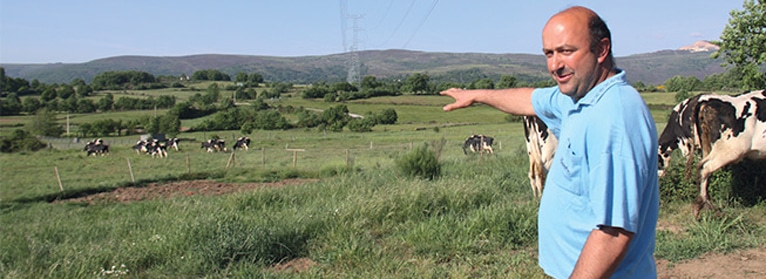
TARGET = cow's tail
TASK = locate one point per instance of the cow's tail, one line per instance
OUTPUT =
(697, 130)
(707, 122)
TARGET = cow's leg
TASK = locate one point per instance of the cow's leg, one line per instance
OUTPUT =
(534, 180)
(711, 163)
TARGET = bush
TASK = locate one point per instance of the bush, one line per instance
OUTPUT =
(421, 162)
(20, 141)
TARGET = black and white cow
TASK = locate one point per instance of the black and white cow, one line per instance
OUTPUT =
(541, 145)
(242, 142)
(214, 145)
(151, 147)
(156, 149)
(478, 143)
(726, 128)
(731, 128)
(172, 143)
(96, 147)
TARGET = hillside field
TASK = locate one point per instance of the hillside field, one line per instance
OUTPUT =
(304, 203)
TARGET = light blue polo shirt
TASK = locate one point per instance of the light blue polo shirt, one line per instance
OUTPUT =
(604, 172)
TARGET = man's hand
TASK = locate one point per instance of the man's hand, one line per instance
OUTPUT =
(462, 98)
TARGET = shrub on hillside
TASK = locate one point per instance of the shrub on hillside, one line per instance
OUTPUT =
(420, 162)
(20, 140)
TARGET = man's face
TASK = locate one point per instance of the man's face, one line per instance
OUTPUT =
(571, 63)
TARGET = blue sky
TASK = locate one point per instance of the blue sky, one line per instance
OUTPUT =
(77, 31)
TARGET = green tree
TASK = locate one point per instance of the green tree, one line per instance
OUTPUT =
(85, 106)
(743, 43)
(70, 104)
(44, 124)
(484, 83)
(241, 77)
(679, 83)
(10, 105)
(65, 91)
(370, 82)
(361, 125)
(106, 103)
(417, 83)
(387, 116)
(255, 79)
(506, 82)
(48, 94)
(84, 91)
(30, 105)
(335, 118)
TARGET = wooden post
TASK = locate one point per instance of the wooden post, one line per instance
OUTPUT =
(58, 178)
(370, 144)
(232, 160)
(263, 157)
(295, 155)
(130, 168)
(347, 157)
(188, 164)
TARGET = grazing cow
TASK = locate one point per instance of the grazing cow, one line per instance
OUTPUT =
(726, 128)
(242, 142)
(541, 145)
(478, 143)
(96, 147)
(140, 146)
(214, 145)
(172, 143)
(151, 147)
(156, 149)
(731, 128)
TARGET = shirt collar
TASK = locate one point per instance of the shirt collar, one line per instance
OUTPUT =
(600, 89)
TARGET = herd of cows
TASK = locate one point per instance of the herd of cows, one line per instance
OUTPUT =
(159, 148)
(727, 129)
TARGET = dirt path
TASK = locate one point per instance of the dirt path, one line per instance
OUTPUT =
(179, 188)
(740, 264)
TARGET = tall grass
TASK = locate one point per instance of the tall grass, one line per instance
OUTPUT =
(473, 222)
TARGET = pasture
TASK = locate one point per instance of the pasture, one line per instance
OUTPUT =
(349, 214)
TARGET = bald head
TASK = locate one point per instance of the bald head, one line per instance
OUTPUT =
(586, 21)
(578, 49)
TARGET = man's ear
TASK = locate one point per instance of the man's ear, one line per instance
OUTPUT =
(604, 46)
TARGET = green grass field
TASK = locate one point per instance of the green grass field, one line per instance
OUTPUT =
(362, 218)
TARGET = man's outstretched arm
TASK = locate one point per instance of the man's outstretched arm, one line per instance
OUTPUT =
(516, 101)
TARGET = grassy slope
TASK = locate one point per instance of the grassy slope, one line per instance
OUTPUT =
(478, 220)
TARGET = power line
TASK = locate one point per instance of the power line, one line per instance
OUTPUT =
(400, 22)
(433, 5)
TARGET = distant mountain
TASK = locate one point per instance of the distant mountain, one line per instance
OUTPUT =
(700, 46)
(649, 68)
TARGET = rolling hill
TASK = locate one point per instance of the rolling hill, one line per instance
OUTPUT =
(649, 68)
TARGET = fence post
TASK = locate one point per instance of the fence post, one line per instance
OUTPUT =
(58, 178)
(295, 155)
(130, 168)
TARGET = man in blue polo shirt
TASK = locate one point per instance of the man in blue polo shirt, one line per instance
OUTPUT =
(599, 210)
